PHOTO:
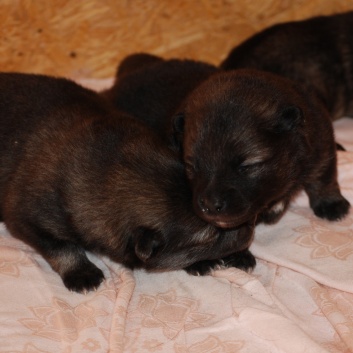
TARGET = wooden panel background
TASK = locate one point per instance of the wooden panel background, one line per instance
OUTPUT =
(77, 38)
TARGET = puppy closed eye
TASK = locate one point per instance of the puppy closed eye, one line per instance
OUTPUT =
(247, 166)
(243, 168)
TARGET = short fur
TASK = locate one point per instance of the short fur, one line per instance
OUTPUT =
(152, 89)
(252, 140)
(317, 52)
(75, 176)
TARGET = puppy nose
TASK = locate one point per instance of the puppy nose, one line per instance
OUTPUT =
(212, 204)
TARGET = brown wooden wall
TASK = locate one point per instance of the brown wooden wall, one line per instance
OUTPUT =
(87, 38)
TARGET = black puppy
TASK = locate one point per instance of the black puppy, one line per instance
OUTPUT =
(251, 140)
(152, 89)
(75, 176)
(317, 53)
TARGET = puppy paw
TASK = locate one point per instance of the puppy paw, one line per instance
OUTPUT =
(203, 268)
(243, 260)
(333, 210)
(85, 279)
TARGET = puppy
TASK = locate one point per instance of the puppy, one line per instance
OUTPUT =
(75, 176)
(152, 89)
(317, 53)
(251, 141)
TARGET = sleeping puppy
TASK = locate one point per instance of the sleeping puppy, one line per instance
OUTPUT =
(76, 176)
(152, 89)
(317, 53)
(251, 141)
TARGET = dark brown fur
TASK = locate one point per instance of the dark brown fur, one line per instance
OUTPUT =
(152, 89)
(74, 176)
(252, 140)
(317, 53)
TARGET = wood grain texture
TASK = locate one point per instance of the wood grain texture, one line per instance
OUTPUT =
(89, 37)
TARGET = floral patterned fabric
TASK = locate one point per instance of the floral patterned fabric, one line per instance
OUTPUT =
(298, 299)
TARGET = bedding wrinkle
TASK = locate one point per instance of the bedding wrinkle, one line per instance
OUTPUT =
(124, 291)
(337, 307)
(281, 334)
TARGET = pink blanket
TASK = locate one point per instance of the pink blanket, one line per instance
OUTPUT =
(298, 299)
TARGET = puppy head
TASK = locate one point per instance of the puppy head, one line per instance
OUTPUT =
(161, 228)
(243, 144)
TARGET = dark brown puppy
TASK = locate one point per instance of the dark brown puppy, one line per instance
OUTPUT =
(252, 140)
(152, 89)
(317, 53)
(75, 177)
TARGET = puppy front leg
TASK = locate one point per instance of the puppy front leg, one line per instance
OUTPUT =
(78, 273)
(243, 260)
(68, 259)
(325, 197)
(232, 251)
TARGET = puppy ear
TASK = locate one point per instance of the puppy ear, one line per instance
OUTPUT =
(289, 119)
(178, 131)
(147, 242)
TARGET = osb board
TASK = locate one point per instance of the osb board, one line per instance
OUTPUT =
(88, 38)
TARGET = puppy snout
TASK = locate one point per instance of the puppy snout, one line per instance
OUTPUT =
(212, 205)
